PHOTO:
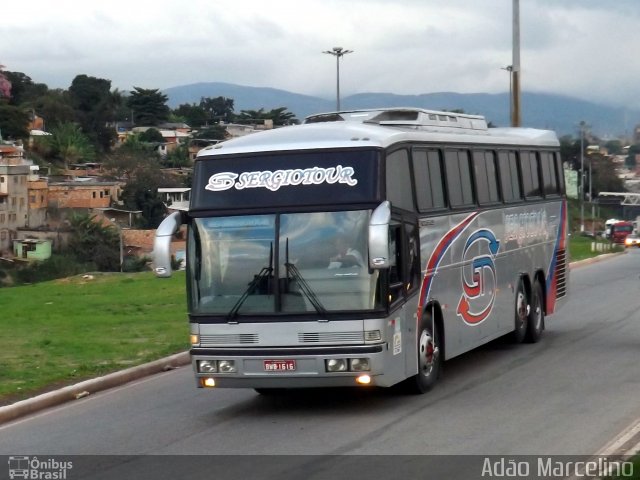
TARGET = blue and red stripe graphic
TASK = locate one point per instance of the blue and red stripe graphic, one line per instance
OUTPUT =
(560, 244)
(437, 255)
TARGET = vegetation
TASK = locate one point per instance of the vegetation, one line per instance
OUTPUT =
(68, 330)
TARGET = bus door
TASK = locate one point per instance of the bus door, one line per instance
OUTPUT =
(403, 286)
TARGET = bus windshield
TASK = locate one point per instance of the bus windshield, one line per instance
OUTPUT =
(281, 263)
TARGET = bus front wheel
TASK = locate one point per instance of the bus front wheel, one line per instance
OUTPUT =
(429, 357)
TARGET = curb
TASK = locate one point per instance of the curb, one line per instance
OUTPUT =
(82, 389)
(599, 258)
(87, 387)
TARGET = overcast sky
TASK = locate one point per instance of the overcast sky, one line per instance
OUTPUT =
(588, 49)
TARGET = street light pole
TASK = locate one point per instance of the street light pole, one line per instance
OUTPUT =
(338, 52)
(509, 68)
(582, 176)
(516, 117)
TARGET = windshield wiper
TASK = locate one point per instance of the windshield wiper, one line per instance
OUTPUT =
(264, 272)
(306, 289)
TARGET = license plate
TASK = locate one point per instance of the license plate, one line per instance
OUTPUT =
(279, 365)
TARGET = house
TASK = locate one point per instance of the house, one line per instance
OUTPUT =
(83, 192)
(176, 198)
(32, 249)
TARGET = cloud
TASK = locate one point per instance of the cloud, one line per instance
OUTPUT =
(582, 48)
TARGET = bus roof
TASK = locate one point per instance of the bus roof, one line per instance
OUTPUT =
(381, 128)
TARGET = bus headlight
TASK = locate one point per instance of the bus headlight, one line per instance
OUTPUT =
(359, 365)
(207, 366)
(336, 365)
(227, 366)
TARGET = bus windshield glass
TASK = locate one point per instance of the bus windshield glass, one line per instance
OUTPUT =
(281, 263)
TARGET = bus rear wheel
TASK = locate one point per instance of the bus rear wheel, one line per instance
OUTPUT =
(535, 322)
(429, 358)
(521, 314)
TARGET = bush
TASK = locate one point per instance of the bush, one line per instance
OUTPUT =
(58, 266)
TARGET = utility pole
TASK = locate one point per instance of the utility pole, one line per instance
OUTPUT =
(582, 124)
(338, 52)
(516, 120)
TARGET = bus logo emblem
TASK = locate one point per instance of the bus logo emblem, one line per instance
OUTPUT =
(479, 282)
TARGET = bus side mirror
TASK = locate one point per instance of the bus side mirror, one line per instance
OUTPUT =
(379, 256)
(162, 244)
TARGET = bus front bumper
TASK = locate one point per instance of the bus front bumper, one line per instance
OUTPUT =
(292, 368)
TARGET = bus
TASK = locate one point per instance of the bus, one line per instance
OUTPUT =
(455, 235)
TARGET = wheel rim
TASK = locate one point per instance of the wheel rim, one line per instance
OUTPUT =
(428, 353)
(521, 309)
(537, 313)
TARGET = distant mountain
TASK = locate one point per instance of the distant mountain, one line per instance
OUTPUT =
(556, 112)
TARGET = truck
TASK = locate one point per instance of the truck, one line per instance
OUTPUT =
(620, 230)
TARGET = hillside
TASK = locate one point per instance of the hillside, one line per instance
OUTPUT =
(539, 110)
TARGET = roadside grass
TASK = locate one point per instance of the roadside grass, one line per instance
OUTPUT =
(580, 247)
(64, 331)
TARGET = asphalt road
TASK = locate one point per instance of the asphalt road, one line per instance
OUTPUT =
(569, 394)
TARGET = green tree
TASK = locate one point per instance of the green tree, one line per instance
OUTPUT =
(149, 106)
(281, 117)
(91, 241)
(605, 178)
(14, 121)
(614, 147)
(23, 90)
(214, 132)
(133, 156)
(630, 161)
(141, 193)
(177, 158)
(95, 107)
(54, 107)
(151, 135)
(68, 144)
(194, 115)
(217, 109)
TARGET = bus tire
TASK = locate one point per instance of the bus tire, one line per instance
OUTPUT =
(429, 358)
(521, 317)
(535, 322)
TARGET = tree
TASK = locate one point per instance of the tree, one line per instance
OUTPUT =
(90, 241)
(133, 156)
(614, 147)
(14, 121)
(149, 106)
(630, 161)
(94, 106)
(69, 144)
(54, 107)
(151, 135)
(217, 109)
(215, 132)
(279, 116)
(194, 115)
(141, 193)
(23, 90)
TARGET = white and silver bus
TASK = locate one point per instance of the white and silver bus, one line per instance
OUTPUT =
(367, 247)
